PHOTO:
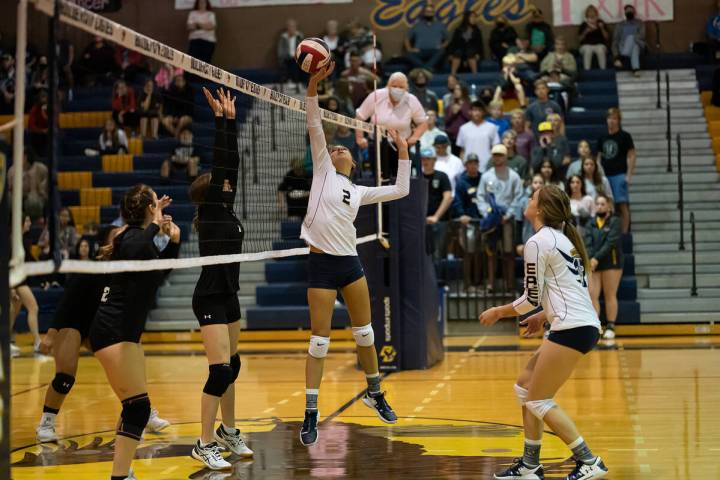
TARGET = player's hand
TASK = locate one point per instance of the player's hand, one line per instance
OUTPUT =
(362, 143)
(174, 233)
(228, 103)
(465, 219)
(490, 317)
(401, 143)
(165, 226)
(215, 104)
(323, 73)
(534, 324)
(432, 220)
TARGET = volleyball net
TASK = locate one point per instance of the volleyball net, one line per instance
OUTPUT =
(131, 110)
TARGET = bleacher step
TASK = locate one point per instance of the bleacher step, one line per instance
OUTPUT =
(682, 280)
(686, 317)
(672, 248)
(679, 258)
(688, 304)
(702, 235)
(693, 206)
(677, 269)
(675, 293)
(689, 196)
(179, 277)
(639, 218)
(683, 84)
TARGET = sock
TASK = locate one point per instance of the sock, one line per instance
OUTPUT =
(373, 381)
(611, 325)
(311, 398)
(531, 454)
(48, 418)
(53, 411)
(230, 430)
(581, 451)
(118, 477)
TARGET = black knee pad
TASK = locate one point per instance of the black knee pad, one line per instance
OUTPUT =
(235, 364)
(62, 383)
(134, 416)
(220, 377)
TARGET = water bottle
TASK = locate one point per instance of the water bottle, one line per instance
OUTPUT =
(473, 92)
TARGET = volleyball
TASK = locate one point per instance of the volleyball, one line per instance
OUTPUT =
(312, 54)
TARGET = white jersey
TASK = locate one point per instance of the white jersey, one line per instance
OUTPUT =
(556, 280)
(334, 198)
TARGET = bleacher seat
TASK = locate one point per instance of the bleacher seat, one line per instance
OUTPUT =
(290, 317)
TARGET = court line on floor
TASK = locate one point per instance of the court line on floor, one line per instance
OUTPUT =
(350, 402)
(36, 387)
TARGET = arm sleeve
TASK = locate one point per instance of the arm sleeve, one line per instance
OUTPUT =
(232, 156)
(318, 146)
(388, 193)
(217, 175)
(613, 236)
(534, 281)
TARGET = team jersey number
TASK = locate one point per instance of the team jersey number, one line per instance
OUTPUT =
(106, 292)
(346, 197)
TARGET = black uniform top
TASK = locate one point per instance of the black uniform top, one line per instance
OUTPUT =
(80, 300)
(130, 295)
(219, 230)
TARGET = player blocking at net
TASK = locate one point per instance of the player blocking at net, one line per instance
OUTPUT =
(333, 262)
(556, 263)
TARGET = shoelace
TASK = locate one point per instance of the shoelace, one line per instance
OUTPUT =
(380, 401)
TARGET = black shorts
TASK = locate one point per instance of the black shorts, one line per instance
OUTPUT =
(111, 326)
(79, 319)
(582, 339)
(333, 271)
(219, 309)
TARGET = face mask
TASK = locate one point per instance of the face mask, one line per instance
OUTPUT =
(397, 94)
(629, 15)
(601, 214)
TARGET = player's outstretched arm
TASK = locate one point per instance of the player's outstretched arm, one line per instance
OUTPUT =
(402, 182)
(318, 145)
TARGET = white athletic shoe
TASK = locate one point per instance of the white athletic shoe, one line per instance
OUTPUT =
(46, 432)
(232, 442)
(131, 475)
(14, 351)
(597, 469)
(210, 456)
(155, 423)
(609, 334)
(520, 471)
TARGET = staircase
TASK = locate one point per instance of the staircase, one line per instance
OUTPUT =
(663, 271)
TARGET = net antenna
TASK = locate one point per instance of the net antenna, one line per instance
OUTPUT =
(378, 141)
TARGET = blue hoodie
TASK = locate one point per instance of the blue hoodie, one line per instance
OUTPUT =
(713, 27)
(465, 200)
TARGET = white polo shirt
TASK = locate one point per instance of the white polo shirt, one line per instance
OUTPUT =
(478, 139)
(452, 166)
(396, 117)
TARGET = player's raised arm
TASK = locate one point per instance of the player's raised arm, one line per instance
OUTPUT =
(402, 182)
(318, 146)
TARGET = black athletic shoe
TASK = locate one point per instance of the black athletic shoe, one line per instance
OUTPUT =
(520, 471)
(583, 471)
(309, 432)
(378, 403)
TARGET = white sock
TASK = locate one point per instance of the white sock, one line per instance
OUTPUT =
(231, 430)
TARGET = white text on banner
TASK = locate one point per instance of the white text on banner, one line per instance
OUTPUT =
(572, 12)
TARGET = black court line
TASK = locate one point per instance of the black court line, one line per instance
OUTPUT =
(37, 387)
(350, 402)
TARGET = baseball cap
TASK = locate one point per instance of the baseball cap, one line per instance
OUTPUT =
(441, 140)
(471, 157)
(545, 127)
(427, 153)
(499, 149)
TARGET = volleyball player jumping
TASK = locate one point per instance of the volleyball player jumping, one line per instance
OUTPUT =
(69, 331)
(556, 264)
(120, 319)
(333, 262)
(215, 302)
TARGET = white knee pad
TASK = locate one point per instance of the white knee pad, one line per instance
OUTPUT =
(364, 336)
(521, 394)
(319, 346)
(539, 408)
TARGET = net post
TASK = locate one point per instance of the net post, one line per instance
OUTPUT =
(378, 141)
(52, 153)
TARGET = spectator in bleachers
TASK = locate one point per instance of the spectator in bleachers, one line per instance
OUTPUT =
(124, 106)
(35, 184)
(439, 202)
(510, 85)
(201, 24)
(464, 211)
(616, 150)
(7, 84)
(576, 167)
(507, 188)
(67, 236)
(39, 77)
(113, 140)
(582, 205)
(452, 81)
(594, 39)
(502, 37)
(183, 161)
(150, 110)
(165, 75)
(457, 111)
(426, 41)
(360, 79)
(629, 40)
(712, 31)
(559, 66)
(478, 136)
(83, 250)
(595, 180)
(526, 60)
(552, 145)
(527, 226)
(445, 161)
(133, 65)
(419, 79)
(539, 33)
(515, 161)
(524, 139)
(466, 45)
(603, 241)
(465, 206)
(543, 106)
(550, 174)
(97, 64)
(497, 116)
(38, 124)
(287, 43)
(178, 106)
(343, 92)
(335, 42)
(294, 191)
(66, 58)
(360, 41)
(428, 138)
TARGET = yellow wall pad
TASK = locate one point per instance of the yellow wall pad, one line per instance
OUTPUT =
(136, 146)
(83, 215)
(74, 180)
(9, 118)
(705, 98)
(714, 128)
(95, 197)
(84, 119)
(712, 113)
(117, 163)
(252, 336)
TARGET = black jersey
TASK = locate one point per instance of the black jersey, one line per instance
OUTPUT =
(219, 230)
(79, 302)
(128, 297)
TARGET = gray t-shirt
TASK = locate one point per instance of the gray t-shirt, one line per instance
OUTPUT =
(428, 36)
(537, 112)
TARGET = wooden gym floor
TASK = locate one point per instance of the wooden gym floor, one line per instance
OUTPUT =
(649, 406)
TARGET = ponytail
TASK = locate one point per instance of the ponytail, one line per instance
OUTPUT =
(574, 236)
(556, 213)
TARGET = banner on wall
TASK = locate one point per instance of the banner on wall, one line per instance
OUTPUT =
(188, 4)
(572, 12)
(103, 6)
(391, 14)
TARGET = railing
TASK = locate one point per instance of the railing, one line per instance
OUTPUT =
(681, 198)
(693, 288)
(668, 128)
(657, 64)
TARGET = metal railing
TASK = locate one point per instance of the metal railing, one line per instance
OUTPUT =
(681, 197)
(657, 64)
(668, 128)
(693, 288)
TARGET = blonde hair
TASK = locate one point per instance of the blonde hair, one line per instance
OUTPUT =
(556, 213)
(557, 116)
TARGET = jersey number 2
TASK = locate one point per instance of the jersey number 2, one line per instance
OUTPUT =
(106, 292)
(346, 197)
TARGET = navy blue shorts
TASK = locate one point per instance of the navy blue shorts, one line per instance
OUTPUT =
(333, 271)
(582, 339)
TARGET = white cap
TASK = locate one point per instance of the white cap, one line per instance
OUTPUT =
(499, 149)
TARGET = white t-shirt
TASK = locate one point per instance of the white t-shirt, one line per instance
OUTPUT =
(197, 17)
(399, 117)
(478, 139)
(452, 166)
(556, 280)
(335, 199)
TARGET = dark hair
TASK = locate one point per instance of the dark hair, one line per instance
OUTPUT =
(609, 200)
(196, 192)
(465, 91)
(91, 246)
(71, 222)
(208, 7)
(556, 213)
(478, 104)
(465, 23)
(29, 152)
(115, 140)
(554, 175)
(539, 82)
(132, 210)
(596, 177)
(583, 192)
